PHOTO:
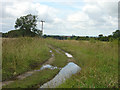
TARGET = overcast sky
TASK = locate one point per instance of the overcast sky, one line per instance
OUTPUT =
(77, 17)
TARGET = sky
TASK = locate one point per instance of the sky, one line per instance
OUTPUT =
(63, 17)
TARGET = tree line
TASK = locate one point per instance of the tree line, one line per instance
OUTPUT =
(27, 26)
(101, 37)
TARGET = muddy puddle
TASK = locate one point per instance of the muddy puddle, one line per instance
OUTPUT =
(68, 55)
(48, 67)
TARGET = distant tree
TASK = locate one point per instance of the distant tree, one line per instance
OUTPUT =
(27, 24)
(110, 36)
(77, 37)
(0, 34)
(101, 35)
(116, 34)
(87, 36)
(45, 36)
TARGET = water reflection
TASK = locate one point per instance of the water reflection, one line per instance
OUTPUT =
(48, 66)
(68, 55)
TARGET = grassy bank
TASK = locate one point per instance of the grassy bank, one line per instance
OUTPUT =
(98, 60)
(34, 81)
(22, 54)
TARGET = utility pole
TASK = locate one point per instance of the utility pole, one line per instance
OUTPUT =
(42, 26)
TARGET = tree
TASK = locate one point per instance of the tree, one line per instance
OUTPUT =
(116, 34)
(27, 24)
(101, 35)
(39, 32)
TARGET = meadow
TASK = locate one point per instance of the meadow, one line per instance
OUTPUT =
(22, 54)
(98, 60)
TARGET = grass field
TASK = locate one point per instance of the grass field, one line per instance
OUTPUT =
(98, 60)
(22, 54)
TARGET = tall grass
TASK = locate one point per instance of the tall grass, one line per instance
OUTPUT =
(34, 81)
(98, 60)
(22, 54)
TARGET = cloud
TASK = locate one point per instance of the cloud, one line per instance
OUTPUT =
(78, 17)
(86, 17)
(97, 17)
(13, 10)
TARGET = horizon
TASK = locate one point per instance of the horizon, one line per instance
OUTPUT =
(67, 35)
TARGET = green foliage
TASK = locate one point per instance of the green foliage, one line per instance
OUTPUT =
(15, 33)
(103, 38)
(116, 34)
(27, 23)
(83, 38)
(18, 33)
(39, 32)
(101, 35)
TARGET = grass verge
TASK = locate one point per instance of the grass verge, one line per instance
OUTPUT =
(34, 81)
(22, 54)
